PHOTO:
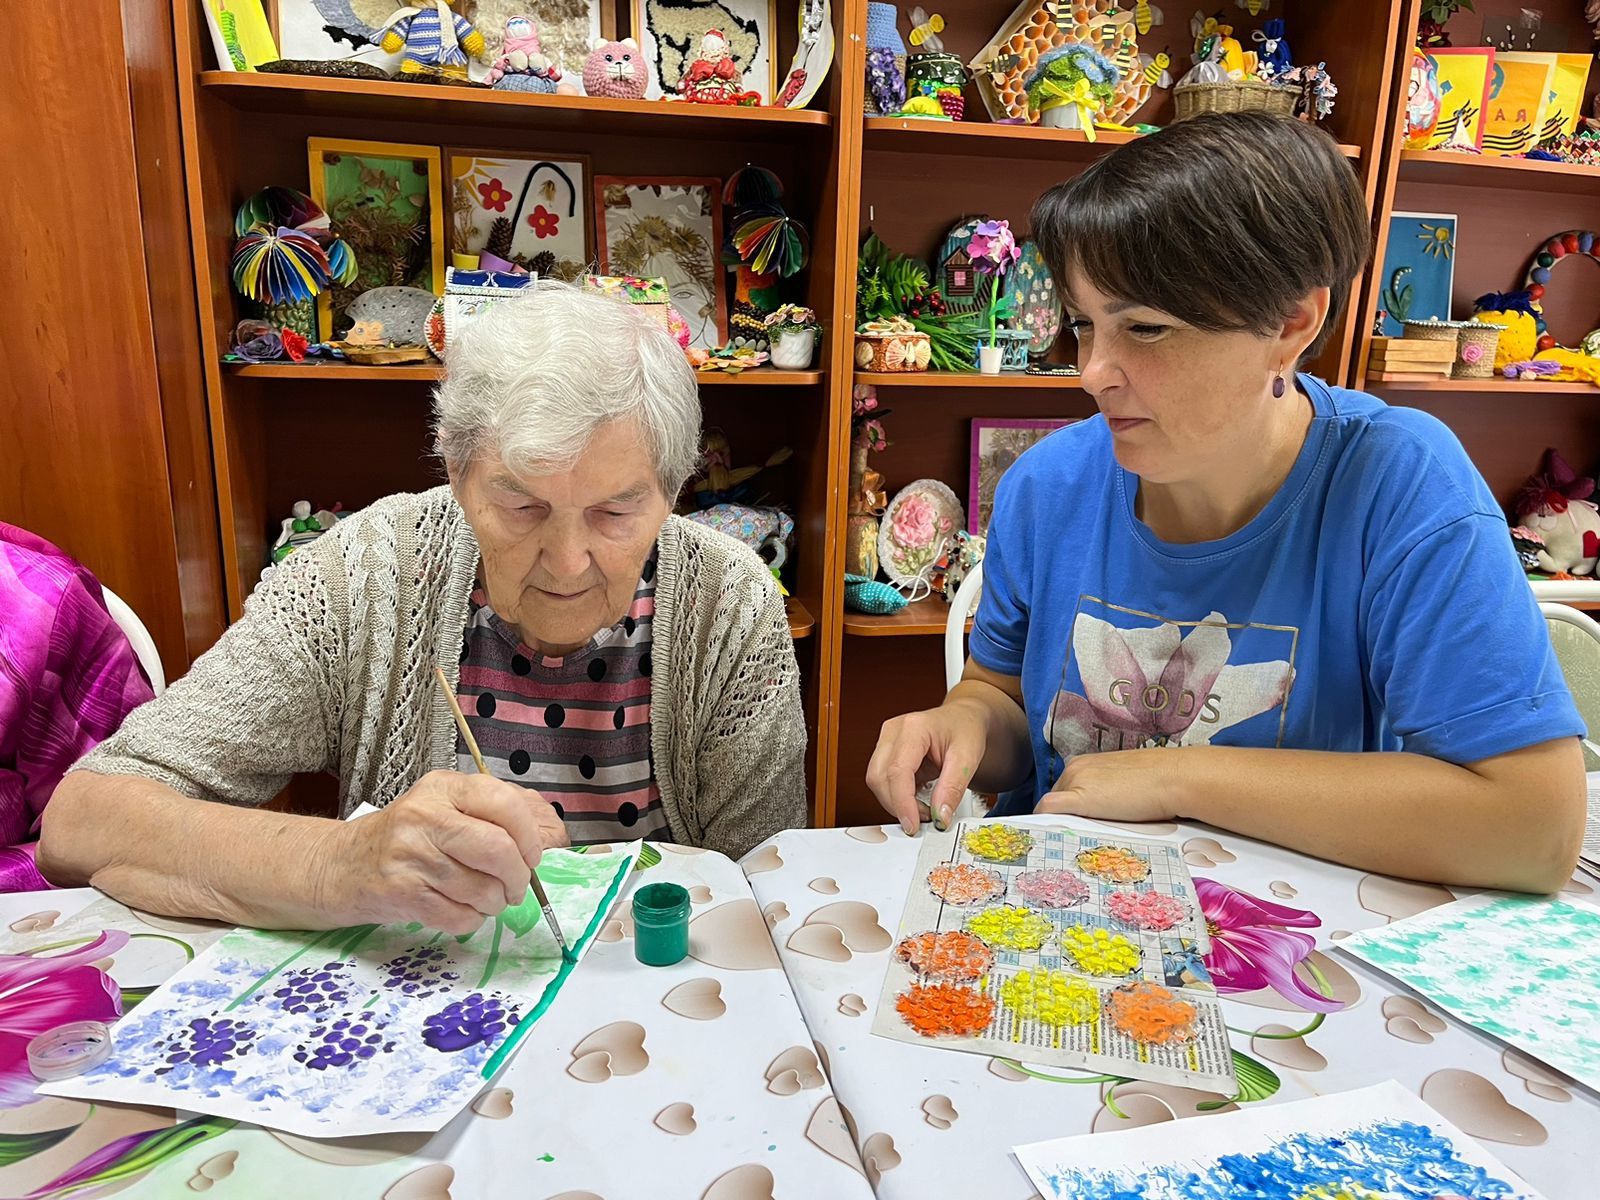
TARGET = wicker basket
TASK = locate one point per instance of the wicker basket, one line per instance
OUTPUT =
(892, 351)
(1433, 331)
(1476, 349)
(1236, 95)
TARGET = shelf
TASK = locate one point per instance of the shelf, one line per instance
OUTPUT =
(760, 377)
(1506, 386)
(314, 96)
(1485, 170)
(919, 617)
(1005, 141)
(801, 622)
(966, 379)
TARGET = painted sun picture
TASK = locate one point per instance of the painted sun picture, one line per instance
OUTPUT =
(532, 211)
(1418, 269)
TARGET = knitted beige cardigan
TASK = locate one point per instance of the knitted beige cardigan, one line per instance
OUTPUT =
(331, 669)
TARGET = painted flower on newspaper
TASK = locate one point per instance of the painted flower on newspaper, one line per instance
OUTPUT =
(1159, 686)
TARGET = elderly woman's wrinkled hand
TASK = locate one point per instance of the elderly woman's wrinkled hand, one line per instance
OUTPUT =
(451, 851)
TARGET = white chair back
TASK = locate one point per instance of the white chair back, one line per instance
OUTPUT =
(144, 646)
(955, 657)
(1575, 636)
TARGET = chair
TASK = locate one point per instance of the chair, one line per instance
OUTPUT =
(1576, 638)
(955, 660)
(144, 646)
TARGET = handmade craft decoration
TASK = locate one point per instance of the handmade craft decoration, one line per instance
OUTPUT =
(568, 29)
(287, 251)
(668, 228)
(387, 201)
(402, 312)
(960, 558)
(1313, 90)
(523, 66)
(767, 531)
(886, 61)
(1418, 269)
(868, 596)
(812, 56)
(1034, 302)
(1422, 99)
(616, 70)
(793, 332)
(1555, 504)
(918, 523)
(467, 295)
(997, 443)
(433, 40)
(722, 482)
(255, 341)
(890, 345)
(1001, 69)
(1519, 325)
(1463, 77)
(1068, 88)
(1519, 96)
(318, 1034)
(932, 73)
(867, 499)
(713, 77)
(765, 246)
(1273, 56)
(994, 251)
(521, 213)
(301, 528)
(1537, 280)
(240, 34)
(672, 32)
(1067, 976)
(1378, 1141)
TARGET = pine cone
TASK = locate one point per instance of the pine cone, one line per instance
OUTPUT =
(500, 238)
(542, 264)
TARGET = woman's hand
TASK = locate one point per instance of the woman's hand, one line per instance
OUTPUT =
(451, 851)
(945, 743)
(1118, 785)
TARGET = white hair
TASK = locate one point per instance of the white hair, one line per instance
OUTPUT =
(530, 380)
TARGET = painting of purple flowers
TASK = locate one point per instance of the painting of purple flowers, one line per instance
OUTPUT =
(344, 1032)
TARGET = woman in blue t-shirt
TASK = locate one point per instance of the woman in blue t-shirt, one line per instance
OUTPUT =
(1239, 595)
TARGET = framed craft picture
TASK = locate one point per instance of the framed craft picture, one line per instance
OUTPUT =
(386, 200)
(670, 32)
(522, 209)
(1419, 267)
(997, 442)
(668, 228)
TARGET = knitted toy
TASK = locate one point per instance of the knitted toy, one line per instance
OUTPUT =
(1520, 337)
(523, 65)
(615, 70)
(436, 41)
(1555, 504)
(713, 78)
(1274, 57)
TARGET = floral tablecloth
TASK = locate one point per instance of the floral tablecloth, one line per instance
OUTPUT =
(697, 1080)
(1306, 1020)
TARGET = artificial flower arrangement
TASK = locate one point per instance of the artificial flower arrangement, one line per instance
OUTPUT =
(792, 332)
(1265, 79)
(994, 250)
(1070, 86)
(895, 287)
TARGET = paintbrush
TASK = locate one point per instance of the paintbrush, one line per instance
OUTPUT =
(533, 876)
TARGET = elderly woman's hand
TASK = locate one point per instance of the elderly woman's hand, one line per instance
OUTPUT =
(1118, 785)
(451, 851)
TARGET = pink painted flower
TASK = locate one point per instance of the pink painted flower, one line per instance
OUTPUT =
(993, 247)
(1158, 685)
(914, 521)
(1252, 946)
(39, 993)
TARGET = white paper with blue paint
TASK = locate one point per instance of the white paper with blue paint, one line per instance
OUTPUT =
(1379, 1141)
(1521, 968)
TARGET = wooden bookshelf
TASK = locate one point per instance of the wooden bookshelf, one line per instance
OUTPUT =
(1507, 388)
(1455, 169)
(350, 372)
(976, 138)
(919, 618)
(801, 623)
(966, 379)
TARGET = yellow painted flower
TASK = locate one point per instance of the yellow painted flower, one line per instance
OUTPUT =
(1099, 952)
(998, 843)
(1008, 928)
(1051, 998)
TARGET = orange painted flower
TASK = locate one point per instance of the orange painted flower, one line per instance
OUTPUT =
(495, 196)
(944, 1010)
(1152, 1014)
(953, 955)
(543, 222)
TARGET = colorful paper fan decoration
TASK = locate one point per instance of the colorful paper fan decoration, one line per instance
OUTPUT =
(773, 242)
(274, 206)
(752, 187)
(279, 268)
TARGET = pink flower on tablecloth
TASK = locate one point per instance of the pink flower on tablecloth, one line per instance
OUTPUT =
(915, 521)
(1252, 946)
(37, 993)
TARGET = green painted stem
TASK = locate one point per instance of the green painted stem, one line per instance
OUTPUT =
(494, 953)
(1017, 1066)
(188, 950)
(284, 965)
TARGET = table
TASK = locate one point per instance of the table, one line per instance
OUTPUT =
(712, 1088)
(936, 1122)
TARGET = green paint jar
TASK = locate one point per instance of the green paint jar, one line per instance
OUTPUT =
(660, 924)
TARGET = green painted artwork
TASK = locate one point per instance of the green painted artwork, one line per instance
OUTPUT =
(1518, 967)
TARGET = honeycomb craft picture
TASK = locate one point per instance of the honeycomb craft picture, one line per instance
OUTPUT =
(1040, 25)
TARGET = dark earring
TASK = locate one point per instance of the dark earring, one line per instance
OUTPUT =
(1278, 388)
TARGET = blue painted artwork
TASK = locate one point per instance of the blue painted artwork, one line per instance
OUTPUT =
(1419, 267)
(1380, 1143)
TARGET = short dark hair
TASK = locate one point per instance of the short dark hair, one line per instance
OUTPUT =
(1225, 221)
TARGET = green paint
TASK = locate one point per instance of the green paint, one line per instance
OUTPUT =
(569, 871)
(325, 935)
(507, 1047)
(546, 1158)
(493, 960)
(1031, 1073)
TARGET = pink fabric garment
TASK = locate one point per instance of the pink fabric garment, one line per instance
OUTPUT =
(68, 677)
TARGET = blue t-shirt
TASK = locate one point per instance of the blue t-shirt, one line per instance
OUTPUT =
(1375, 603)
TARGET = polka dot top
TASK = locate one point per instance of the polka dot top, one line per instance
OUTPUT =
(576, 729)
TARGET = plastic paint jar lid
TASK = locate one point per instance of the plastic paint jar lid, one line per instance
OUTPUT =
(69, 1050)
(660, 924)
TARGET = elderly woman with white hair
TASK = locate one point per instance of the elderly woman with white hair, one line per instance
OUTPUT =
(625, 672)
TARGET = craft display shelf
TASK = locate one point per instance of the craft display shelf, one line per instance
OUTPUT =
(342, 372)
(1507, 389)
(282, 432)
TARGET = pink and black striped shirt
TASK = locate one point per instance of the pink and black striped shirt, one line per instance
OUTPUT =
(576, 729)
